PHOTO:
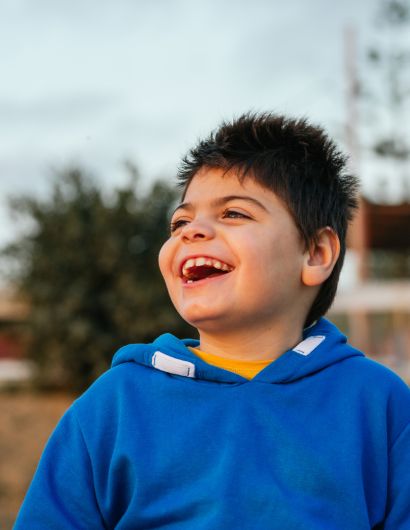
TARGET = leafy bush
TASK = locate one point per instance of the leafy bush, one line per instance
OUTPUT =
(89, 271)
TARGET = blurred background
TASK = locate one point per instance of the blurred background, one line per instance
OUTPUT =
(99, 101)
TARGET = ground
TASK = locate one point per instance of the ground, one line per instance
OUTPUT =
(26, 422)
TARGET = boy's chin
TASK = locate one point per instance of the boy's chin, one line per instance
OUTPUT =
(212, 322)
(204, 320)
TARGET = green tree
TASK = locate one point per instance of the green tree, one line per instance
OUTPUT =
(385, 95)
(88, 269)
(388, 90)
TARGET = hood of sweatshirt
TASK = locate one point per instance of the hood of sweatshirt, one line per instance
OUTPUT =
(323, 345)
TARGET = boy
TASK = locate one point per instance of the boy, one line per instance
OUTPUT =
(269, 421)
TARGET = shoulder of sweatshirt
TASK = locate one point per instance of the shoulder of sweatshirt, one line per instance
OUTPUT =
(380, 377)
(378, 389)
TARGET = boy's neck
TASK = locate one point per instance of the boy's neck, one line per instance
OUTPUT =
(257, 345)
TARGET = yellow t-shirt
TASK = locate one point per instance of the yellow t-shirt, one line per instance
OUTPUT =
(244, 368)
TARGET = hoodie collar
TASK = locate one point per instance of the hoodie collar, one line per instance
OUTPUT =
(322, 346)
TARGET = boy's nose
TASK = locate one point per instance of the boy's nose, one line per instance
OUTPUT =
(197, 231)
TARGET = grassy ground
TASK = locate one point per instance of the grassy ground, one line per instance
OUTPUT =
(26, 421)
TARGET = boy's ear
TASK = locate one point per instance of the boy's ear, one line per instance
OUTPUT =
(321, 256)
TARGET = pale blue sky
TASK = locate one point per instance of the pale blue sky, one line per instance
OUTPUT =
(95, 82)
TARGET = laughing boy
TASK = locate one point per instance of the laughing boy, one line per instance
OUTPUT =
(271, 420)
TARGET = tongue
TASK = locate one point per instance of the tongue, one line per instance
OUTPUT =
(204, 271)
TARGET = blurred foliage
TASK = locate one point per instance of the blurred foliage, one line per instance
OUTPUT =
(389, 95)
(89, 271)
(391, 58)
(395, 12)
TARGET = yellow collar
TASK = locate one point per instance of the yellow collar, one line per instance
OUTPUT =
(244, 368)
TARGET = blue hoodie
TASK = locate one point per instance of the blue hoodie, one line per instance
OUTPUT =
(320, 439)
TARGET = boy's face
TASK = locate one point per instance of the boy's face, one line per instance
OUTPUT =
(234, 257)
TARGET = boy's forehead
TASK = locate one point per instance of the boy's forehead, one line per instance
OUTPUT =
(218, 186)
(207, 178)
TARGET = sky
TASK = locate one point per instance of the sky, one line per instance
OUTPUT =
(94, 83)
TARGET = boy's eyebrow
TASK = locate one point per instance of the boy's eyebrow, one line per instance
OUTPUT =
(220, 201)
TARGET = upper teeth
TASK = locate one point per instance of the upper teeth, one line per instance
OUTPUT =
(209, 262)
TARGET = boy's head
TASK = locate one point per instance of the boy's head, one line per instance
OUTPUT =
(292, 161)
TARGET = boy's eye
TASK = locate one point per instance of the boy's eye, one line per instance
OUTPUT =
(177, 224)
(227, 214)
(234, 214)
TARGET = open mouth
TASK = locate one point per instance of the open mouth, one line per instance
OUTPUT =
(195, 269)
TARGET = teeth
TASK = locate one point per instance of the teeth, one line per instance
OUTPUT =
(190, 263)
(201, 261)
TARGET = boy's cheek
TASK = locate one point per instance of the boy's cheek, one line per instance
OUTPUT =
(164, 260)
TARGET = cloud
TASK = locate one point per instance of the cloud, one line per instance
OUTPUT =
(55, 108)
